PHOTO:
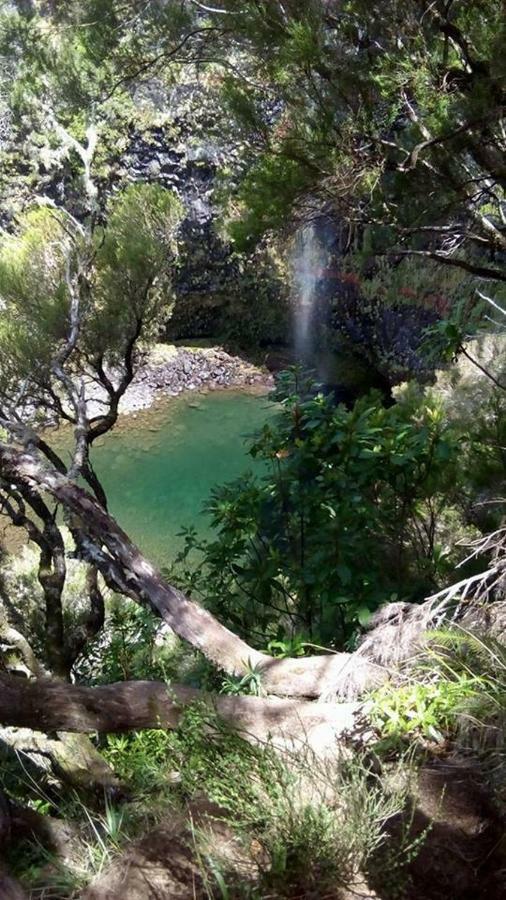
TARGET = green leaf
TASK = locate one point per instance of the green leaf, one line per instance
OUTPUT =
(364, 615)
(344, 572)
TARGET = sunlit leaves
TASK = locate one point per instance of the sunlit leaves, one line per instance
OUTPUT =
(122, 272)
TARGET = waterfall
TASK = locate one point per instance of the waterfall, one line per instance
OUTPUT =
(308, 265)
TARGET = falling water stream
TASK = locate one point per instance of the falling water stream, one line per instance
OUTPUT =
(309, 259)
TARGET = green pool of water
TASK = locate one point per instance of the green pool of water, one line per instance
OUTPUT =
(159, 467)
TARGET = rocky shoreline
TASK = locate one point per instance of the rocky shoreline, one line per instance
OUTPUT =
(170, 371)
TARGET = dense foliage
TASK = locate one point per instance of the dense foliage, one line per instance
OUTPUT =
(379, 125)
(356, 508)
(381, 106)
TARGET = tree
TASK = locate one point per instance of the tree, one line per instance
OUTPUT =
(387, 117)
(371, 110)
(101, 542)
(80, 298)
(367, 113)
(82, 291)
(391, 113)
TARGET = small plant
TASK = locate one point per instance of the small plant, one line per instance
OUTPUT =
(105, 835)
(250, 683)
(292, 646)
(460, 682)
(98, 838)
(142, 759)
(419, 711)
(129, 647)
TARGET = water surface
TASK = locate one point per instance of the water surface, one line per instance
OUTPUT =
(159, 467)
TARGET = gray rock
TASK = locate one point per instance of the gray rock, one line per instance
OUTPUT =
(154, 168)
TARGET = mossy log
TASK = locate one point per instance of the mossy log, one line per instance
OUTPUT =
(62, 757)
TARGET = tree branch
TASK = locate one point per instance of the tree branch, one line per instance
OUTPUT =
(123, 566)
(51, 706)
(478, 365)
(482, 271)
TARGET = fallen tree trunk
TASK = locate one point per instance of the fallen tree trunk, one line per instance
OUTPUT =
(103, 543)
(48, 705)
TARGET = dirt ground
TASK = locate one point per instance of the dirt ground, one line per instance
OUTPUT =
(462, 854)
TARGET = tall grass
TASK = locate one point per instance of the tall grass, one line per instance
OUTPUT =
(300, 826)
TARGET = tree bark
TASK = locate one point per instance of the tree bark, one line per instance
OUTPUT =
(52, 567)
(50, 706)
(23, 822)
(62, 757)
(104, 544)
(11, 638)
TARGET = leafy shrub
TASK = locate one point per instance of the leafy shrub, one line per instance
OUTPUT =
(141, 759)
(344, 519)
(305, 825)
(477, 407)
(458, 655)
(132, 645)
(416, 709)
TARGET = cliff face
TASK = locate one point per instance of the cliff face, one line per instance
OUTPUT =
(180, 136)
(216, 291)
(174, 137)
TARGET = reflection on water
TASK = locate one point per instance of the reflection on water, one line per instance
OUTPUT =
(159, 467)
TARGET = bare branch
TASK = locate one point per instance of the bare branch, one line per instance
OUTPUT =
(492, 302)
(213, 9)
(482, 369)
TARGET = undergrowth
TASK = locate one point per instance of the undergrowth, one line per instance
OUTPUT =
(455, 691)
(300, 826)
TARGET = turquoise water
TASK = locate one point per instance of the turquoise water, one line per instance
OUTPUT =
(159, 467)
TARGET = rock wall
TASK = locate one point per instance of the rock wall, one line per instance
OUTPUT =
(179, 137)
(217, 291)
(171, 136)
